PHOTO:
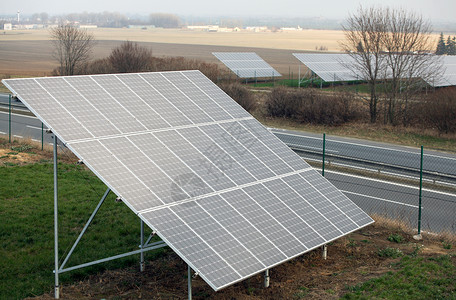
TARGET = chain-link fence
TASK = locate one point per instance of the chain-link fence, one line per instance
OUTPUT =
(17, 122)
(385, 179)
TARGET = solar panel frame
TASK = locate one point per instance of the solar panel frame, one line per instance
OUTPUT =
(448, 77)
(330, 67)
(168, 156)
(246, 64)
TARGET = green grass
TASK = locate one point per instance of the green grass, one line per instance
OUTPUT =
(395, 238)
(26, 227)
(412, 278)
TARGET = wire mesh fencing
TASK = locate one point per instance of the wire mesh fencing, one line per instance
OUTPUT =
(385, 180)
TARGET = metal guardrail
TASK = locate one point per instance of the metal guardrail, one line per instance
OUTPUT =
(435, 176)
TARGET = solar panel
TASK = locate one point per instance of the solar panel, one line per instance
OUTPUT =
(448, 78)
(246, 64)
(221, 190)
(330, 67)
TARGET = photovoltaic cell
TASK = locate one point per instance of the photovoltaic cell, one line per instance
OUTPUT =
(448, 78)
(246, 64)
(329, 67)
(222, 191)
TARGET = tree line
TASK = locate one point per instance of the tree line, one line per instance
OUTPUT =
(448, 47)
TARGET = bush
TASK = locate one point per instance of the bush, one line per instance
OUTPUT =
(395, 238)
(210, 70)
(312, 106)
(130, 57)
(241, 94)
(390, 252)
(439, 110)
(282, 102)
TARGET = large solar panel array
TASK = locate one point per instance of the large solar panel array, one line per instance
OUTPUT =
(448, 78)
(330, 67)
(246, 64)
(221, 190)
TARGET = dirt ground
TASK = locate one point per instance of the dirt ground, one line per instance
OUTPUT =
(351, 260)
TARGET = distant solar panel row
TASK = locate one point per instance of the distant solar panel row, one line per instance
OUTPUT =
(246, 64)
(448, 77)
(333, 67)
(221, 190)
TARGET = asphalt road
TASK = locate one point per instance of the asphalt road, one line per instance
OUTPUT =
(398, 201)
(363, 153)
(374, 196)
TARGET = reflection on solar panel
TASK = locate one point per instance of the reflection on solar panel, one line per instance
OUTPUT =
(246, 64)
(329, 67)
(448, 77)
(222, 191)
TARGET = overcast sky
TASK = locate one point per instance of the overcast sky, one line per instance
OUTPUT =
(433, 9)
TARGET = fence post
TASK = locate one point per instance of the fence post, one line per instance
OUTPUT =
(9, 119)
(421, 187)
(323, 164)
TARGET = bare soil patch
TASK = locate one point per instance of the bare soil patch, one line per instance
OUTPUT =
(351, 260)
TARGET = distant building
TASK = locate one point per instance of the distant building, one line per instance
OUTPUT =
(7, 26)
(257, 28)
(291, 28)
(141, 26)
(82, 26)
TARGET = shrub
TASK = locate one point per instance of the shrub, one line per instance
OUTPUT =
(240, 94)
(390, 252)
(99, 66)
(210, 70)
(130, 57)
(395, 238)
(312, 106)
(439, 110)
(281, 102)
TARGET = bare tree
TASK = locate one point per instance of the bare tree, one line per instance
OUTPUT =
(391, 45)
(363, 42)
(407, 43)
(72, 48)
(131, 57)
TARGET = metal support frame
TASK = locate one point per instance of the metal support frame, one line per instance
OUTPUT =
(56, 227)
(324, 251)
(189, 275)
(9, 118)
(266, 278)
(142, 265)
(144, 247)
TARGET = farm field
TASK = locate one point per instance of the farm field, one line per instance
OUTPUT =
(30, 52)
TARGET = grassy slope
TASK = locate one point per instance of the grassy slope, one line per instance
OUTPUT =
(26, 226)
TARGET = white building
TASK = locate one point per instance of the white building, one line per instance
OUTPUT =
(7, 26)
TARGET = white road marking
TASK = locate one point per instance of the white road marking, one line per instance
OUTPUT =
(381, 199)
(34, 127)
(19, 136)
(391, 183)
(356, 144)
(20, 115)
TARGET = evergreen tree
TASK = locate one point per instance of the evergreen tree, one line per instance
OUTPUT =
(441, 46)
(451, 46)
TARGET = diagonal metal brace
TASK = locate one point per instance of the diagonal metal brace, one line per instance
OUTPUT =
(85, 228)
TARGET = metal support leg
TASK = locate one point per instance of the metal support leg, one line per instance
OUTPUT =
(189, 283)
(142, 266)
(56, 227)
(324, 251)
(266, 278)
